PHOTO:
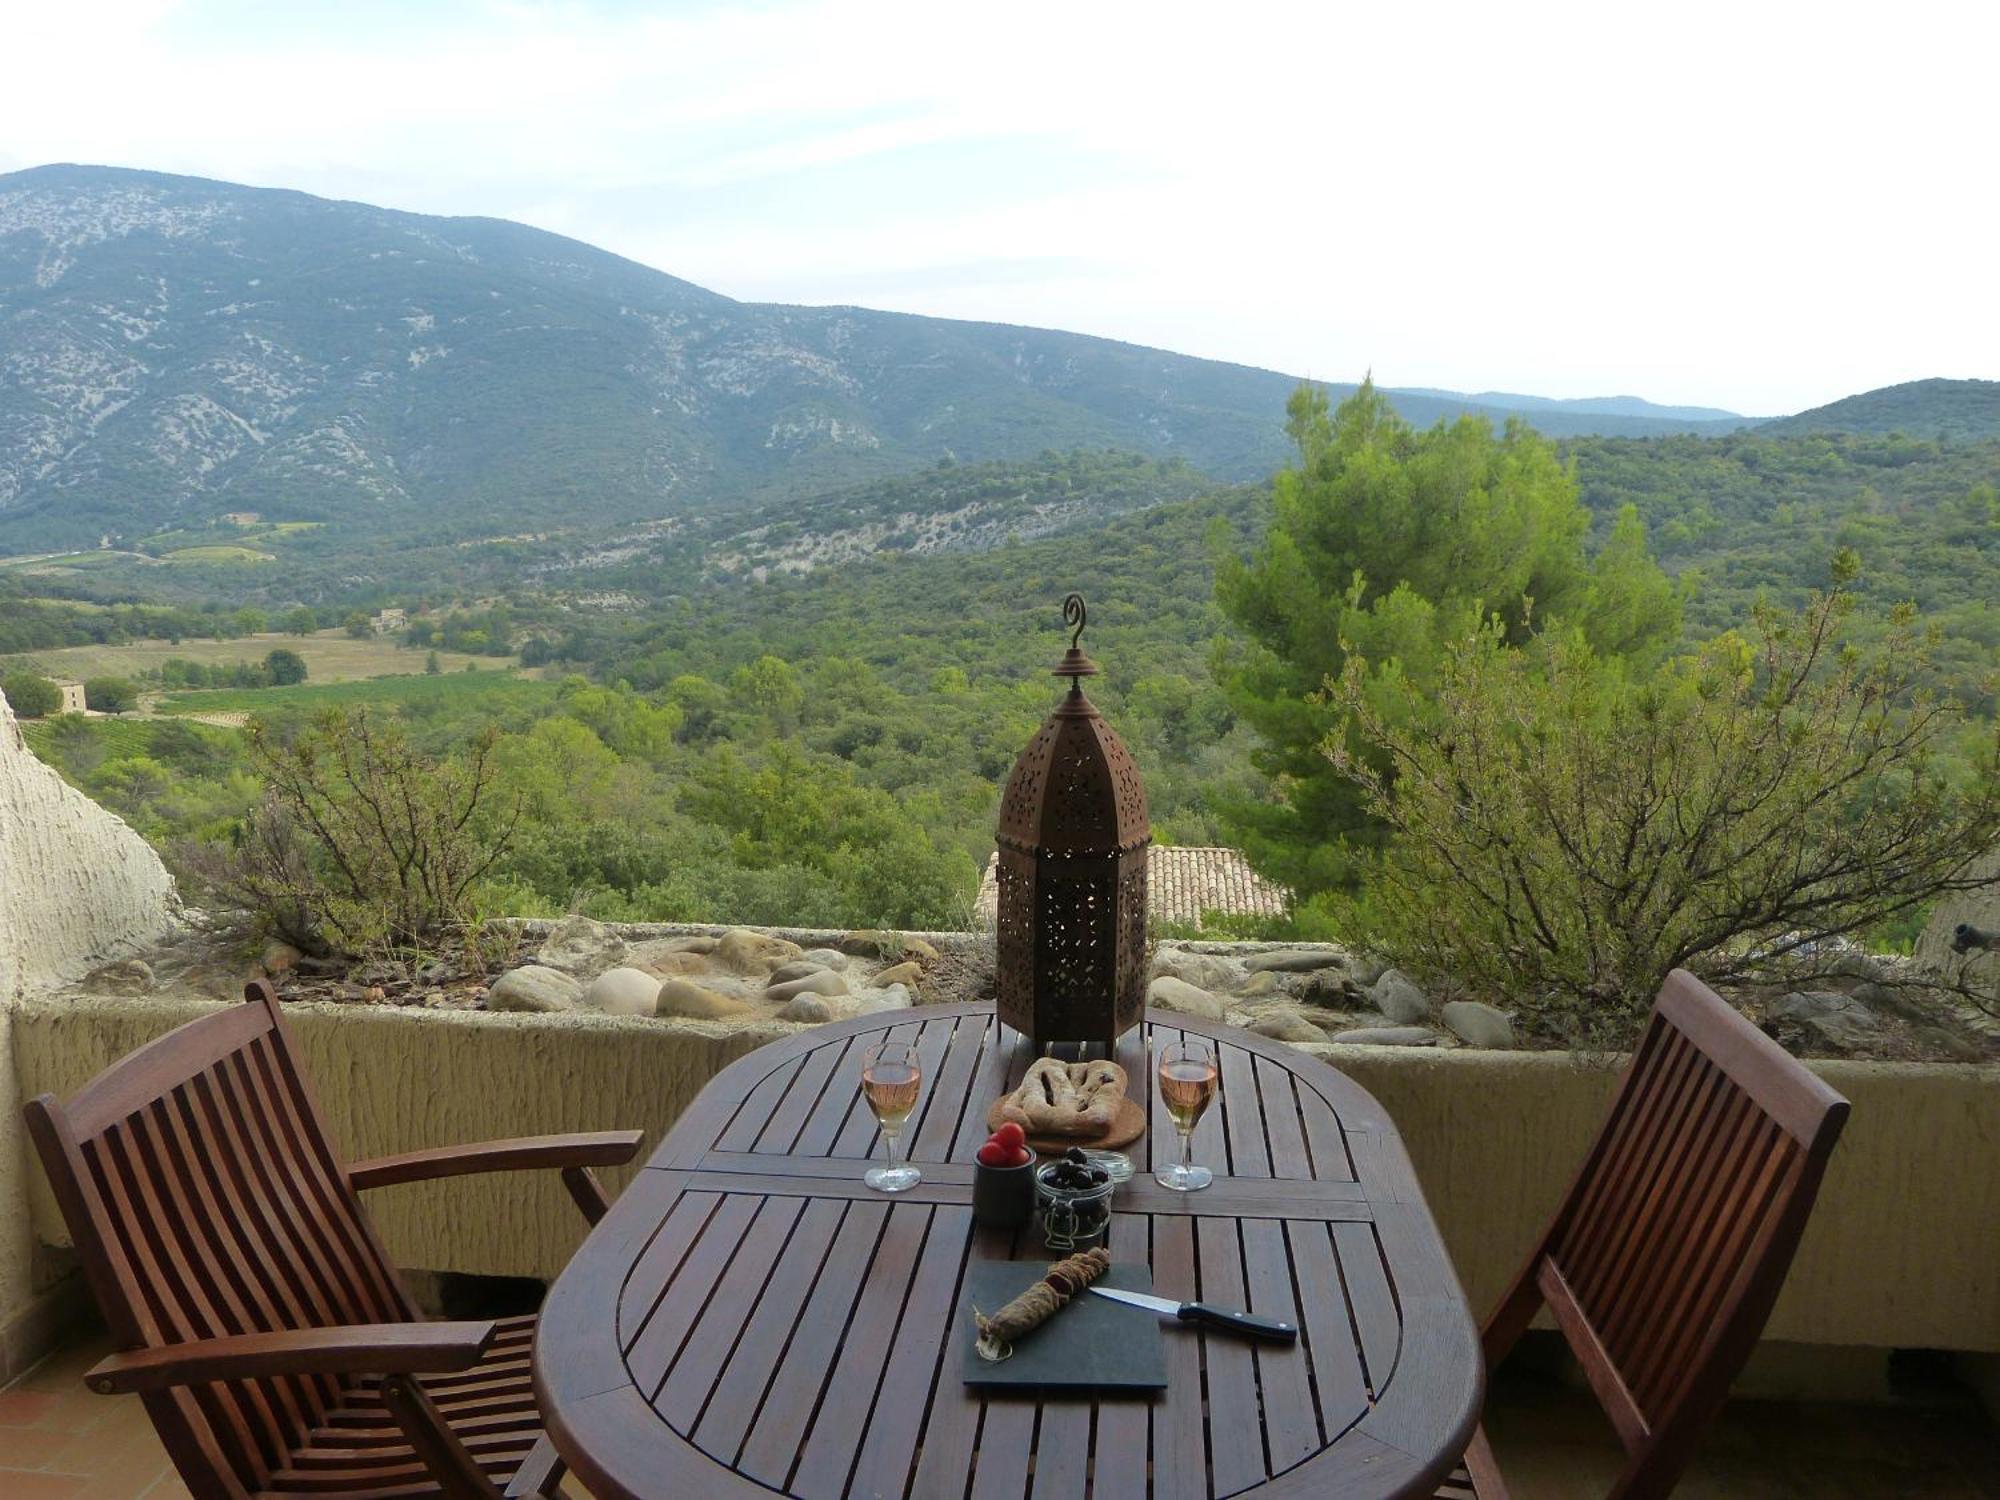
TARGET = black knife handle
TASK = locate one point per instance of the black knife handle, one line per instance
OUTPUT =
(1238, 1322)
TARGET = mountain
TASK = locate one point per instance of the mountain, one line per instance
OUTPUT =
(174, 349)
(1704, 418)
(1963, 411)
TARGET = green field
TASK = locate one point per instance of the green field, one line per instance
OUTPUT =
(331, 656)
(219, 553)
(495, 690)
(118, 738)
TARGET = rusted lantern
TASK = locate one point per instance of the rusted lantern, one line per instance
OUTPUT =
(1072, 872)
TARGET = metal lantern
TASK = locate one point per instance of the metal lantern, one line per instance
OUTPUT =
(1073, 837)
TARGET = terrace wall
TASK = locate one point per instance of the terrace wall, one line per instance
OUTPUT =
(1900, 1253)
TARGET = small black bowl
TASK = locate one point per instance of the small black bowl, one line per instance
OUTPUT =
(1003, 1197)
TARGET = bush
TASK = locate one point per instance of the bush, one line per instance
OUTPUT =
(360, 843)
(1565, 833)
(285, 668)
(110, 695)
(33, 697)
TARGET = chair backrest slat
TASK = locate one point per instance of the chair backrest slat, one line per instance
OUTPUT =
(205, 1201)
(1668, 1252)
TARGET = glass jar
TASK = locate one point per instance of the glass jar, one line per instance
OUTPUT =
(1072, 1218)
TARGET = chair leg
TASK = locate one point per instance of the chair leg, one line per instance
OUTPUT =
(587, 1191)
(1486, 1481)
(540, 1473)
(457, 1474)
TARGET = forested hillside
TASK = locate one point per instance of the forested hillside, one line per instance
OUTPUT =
(1964, 411)
(803, 713)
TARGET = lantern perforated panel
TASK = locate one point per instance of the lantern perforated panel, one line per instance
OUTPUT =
(1073, 840)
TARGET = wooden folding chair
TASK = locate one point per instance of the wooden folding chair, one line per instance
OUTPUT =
(1663, 1262)
(275, 1347)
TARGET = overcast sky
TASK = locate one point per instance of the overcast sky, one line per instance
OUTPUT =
(1752, 205)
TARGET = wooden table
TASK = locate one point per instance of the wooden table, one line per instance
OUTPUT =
(750, 1318)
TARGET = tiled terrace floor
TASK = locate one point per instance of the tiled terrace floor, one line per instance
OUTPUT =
(59, 1442)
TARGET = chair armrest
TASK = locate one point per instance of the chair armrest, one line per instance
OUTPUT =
(355, 1349)
(598, 1148)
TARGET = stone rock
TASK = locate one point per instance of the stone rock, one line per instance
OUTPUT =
(623, 992)
(811, 1009)
(76, 884)
(700, 943)
(1263, 982)
(279, 956)
(1859, 963)
(747, 952)
(1204, 971)
(888, 997)
(873, 942)
(1831, 1019)
(1911, 1001)
(1170, 993)
(818, 982)
(1329, 987)
(129, 976)
(376, 972)
(1942, 1041)
(1365, 971)
(1283, 1024)
(909, 971)
(534, 987)
(826, 958)
(798, 968)
(674, 965)
(579, 943)
(1296, 960)
(1396, 995)
(867, 942)
(685, 998)
(1480, 1025)
(1389, 1036)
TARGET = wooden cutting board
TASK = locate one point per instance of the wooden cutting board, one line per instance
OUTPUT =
(1092, 1341)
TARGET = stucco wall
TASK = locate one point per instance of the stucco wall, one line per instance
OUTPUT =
(1900, 1252)
(1978, 970)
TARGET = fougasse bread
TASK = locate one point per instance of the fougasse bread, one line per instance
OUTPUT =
(1059, 1098)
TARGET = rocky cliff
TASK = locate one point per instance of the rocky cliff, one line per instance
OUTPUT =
(76, 885)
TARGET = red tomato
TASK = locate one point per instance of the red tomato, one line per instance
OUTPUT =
(990, 1155)
(1011, 1136)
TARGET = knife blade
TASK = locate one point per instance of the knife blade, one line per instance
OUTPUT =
(1204, 1314)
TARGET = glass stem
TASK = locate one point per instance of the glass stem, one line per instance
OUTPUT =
(889, 1146)
(1187, 1149)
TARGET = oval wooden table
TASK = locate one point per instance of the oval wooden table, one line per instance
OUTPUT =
(751, 1319)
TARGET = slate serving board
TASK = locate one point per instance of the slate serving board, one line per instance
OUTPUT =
(1092, 1342)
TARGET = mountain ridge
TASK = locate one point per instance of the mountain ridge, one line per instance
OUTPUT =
(177, 348)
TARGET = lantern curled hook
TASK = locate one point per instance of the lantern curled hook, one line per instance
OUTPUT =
(1075, 615)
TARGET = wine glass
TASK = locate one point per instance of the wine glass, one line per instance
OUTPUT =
(1188, 1076)
(890, 1078)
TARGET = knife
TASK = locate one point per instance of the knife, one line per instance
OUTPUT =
(1202, 1313)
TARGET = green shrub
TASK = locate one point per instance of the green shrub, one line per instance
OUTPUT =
(32, 697)
(110, 695)
(360, 843)
(1565, 831)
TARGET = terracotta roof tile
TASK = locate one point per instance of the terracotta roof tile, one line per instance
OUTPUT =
(1181, 884)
